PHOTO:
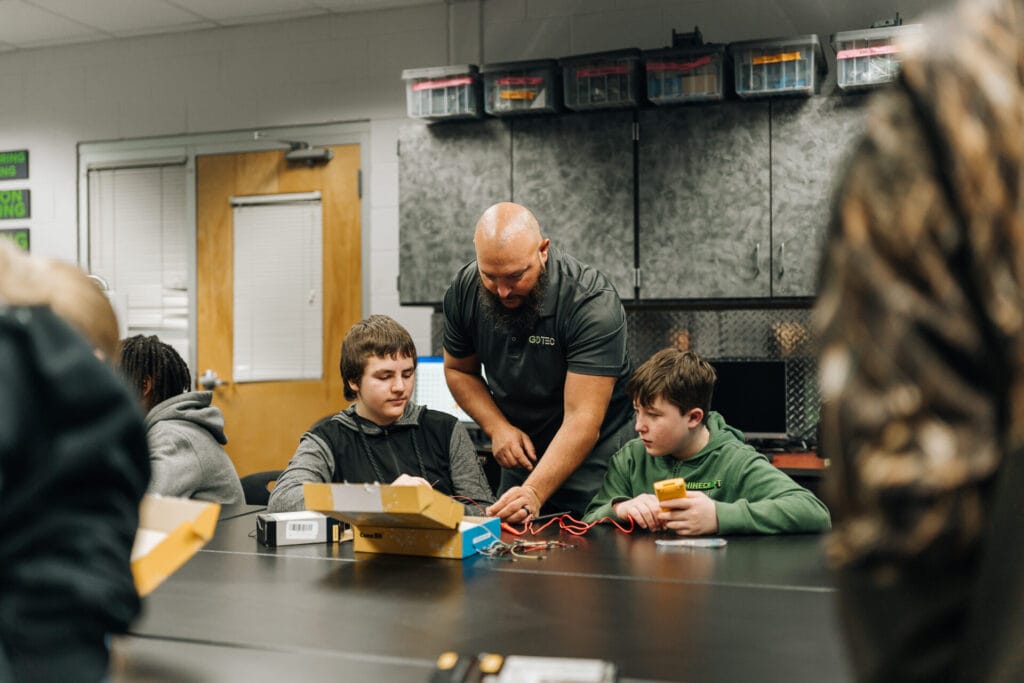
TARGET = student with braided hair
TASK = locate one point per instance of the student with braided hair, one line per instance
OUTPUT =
(184, 431)
(383, 436)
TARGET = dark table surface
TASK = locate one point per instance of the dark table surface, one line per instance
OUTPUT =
(762, 608)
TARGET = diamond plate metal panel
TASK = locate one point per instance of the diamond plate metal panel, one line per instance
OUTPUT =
(740, 334)
(734, 334)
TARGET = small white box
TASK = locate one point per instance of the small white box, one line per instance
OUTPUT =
(275, 529)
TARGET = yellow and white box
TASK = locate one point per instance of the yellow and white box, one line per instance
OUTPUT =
(403, 520)
(171, 530)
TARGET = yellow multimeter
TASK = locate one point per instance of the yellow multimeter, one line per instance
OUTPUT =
(670, 489)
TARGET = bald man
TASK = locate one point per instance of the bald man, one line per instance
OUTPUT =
(550, 335)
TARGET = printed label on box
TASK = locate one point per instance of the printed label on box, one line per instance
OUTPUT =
(774, 59)
(300, 531)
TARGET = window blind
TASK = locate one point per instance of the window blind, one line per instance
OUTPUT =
(278, 281)
(137, 243)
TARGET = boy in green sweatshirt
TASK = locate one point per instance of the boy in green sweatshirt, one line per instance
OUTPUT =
(731, 488)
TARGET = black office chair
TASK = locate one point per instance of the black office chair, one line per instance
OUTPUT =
(257, 486)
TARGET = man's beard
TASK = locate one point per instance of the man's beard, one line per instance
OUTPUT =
(522, 318)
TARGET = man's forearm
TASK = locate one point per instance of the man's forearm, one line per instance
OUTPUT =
(472, 395)
(573, 442)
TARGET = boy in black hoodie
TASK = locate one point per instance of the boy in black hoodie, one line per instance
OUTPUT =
(383, 437)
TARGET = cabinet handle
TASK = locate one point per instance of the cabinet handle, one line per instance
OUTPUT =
(757, 260)
(782, 259)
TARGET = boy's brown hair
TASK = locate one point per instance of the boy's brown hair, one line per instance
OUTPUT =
(379, 336)
(683, 378)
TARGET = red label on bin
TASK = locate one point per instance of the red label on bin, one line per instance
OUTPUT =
(868, 51)
(520, 80)
(602, 71)
(679, 66)
(446, 83)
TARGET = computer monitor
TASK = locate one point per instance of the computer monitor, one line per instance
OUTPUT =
(432, 390)
(751, 396)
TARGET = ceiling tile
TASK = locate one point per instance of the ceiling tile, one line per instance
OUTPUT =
(24, 25)
(362, 5)
(156, 30)
(265, 18)
(251, 10)
(117, 16)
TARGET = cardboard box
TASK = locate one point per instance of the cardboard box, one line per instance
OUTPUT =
(472, 534)
(275, 529)
(415, 507)
(404, 520)
(171, 530)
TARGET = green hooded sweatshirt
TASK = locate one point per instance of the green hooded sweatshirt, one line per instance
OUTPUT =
(751, 496)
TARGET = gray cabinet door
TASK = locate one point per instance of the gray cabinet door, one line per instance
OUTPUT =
(811, 139)
(704, 201)
(448, 174)
(575, 172)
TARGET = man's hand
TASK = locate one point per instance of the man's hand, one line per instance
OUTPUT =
(694, 515)
(409, 480)
(517, 505)
(511, 447)
(644, 509)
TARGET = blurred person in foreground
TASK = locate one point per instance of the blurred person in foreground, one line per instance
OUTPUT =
(921, 319)
(73, 469)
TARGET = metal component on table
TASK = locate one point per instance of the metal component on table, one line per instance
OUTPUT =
(691, 542)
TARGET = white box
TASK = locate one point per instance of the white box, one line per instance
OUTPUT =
(274, 529)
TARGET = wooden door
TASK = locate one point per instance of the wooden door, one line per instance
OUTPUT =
(264, 420)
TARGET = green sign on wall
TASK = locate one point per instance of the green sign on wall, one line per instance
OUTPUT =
(14, 205)
(17, 235)
(14, 164)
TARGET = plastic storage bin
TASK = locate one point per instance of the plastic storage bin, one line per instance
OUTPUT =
(782, 66)
(512, 88)
(603, 80)
(675, 76)
(870, 57)
(443, 92)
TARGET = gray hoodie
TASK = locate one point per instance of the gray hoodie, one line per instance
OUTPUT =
(314, 460)
(185, 434)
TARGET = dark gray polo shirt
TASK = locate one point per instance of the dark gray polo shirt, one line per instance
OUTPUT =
(582, 328)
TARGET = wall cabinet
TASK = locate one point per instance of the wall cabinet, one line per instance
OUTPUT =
(705, 231)
(733, 197)
(575, 173)
(448, 175)
(810, 143)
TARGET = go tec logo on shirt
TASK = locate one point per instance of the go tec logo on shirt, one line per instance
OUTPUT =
(541, 340)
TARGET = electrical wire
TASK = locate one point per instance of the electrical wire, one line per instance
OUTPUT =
(470, 501)
(566, 523)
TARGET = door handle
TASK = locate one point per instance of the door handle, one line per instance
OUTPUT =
(209, 380)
